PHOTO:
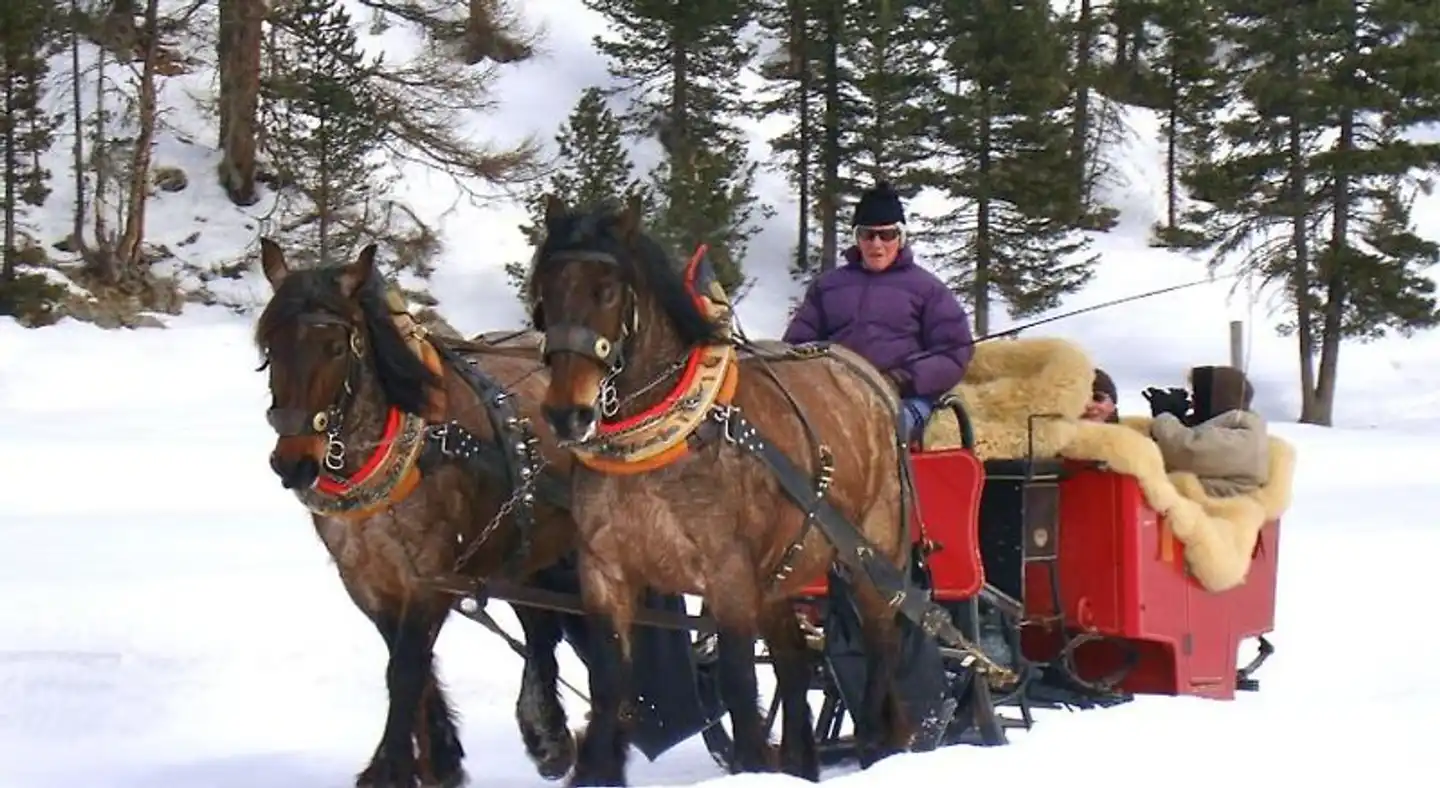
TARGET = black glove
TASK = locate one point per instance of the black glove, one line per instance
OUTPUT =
(1175, 401)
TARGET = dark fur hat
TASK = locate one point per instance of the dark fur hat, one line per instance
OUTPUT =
(1219, 389)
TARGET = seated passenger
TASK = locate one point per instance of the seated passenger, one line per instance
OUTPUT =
(888, 309)
(1222, 441)
(1102, 405)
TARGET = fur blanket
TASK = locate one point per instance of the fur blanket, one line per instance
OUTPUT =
(1219, 534)
(1009, 381)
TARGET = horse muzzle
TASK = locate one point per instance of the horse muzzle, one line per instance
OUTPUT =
(572, 424)
(297, 474)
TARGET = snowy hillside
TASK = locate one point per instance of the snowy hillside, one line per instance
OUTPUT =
(204, 231)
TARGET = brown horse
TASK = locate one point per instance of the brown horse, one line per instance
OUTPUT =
(384, 441)
(672, 495)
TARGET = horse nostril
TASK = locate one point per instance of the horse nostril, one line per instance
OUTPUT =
(306, 472)
(555, 417)
(295, 474)
(582, 419)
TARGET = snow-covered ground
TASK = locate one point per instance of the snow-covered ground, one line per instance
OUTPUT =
(169, 618)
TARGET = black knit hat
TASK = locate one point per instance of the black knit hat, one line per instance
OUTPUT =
(878, 207)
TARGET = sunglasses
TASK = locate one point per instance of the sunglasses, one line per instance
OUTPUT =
(871, 233)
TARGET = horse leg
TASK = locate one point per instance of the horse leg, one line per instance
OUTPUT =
(438, 740)
(739, 691)
(791, 657)
(880, 726)
(409, 635)
(538, 710)
(602, 747)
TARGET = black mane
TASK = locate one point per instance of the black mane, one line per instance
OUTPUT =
(405, 381)
(644, 265)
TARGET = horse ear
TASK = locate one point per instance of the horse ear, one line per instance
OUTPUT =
(630, 216)
(272, 262)
(356, 274)
(554, 208)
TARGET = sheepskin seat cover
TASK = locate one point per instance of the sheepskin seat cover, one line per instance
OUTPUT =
(1009, 381)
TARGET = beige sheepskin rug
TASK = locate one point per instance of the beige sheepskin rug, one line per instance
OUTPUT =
(1008, 382)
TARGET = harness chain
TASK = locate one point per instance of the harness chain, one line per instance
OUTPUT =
(523, 466)
(853, 550)
(514, 453)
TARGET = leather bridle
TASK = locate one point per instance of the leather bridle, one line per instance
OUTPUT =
(607, 352)
(328, 421)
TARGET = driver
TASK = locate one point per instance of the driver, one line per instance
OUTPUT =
(884, 307)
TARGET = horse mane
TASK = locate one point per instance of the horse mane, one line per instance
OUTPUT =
(644, 264)
(405, 381)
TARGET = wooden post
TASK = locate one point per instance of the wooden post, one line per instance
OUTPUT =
(1237, 344)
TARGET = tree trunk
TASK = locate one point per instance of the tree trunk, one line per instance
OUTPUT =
(1336, 293)
(800, 68)
(127, 252)
(486, 39)
(77, 125)
(985, 171)
(239, 64)
(830, 143)
(1172, 151)
(1301, 242)
(1080, 141)
(102, 257)
(679, 144)
(12, 163)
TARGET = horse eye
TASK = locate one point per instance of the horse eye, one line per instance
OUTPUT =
(607, 293)
(335, 347)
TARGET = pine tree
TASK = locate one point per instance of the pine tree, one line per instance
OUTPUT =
(1318, 154)
(791, 89)
(1194, 92)
(596, 169)
(809, 80)
(323, 120)
(1003, 146)
(680, 62)
(889, 66)
(26, 129)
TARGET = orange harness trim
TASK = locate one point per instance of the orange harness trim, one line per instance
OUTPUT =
(659, 436)
(392, 472)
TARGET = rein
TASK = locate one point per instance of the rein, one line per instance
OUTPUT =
(923, 354)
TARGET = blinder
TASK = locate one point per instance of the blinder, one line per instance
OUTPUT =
(298, 422)
(581, 339)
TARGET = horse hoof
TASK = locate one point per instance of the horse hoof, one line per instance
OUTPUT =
(455, 780)
(555, 759)
(386, 775)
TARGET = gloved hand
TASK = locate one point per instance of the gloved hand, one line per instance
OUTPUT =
(1175, 401)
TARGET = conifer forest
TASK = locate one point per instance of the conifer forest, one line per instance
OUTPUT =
(1289, 135)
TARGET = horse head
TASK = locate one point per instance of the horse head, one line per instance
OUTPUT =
(610, 303)
(337, 360)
